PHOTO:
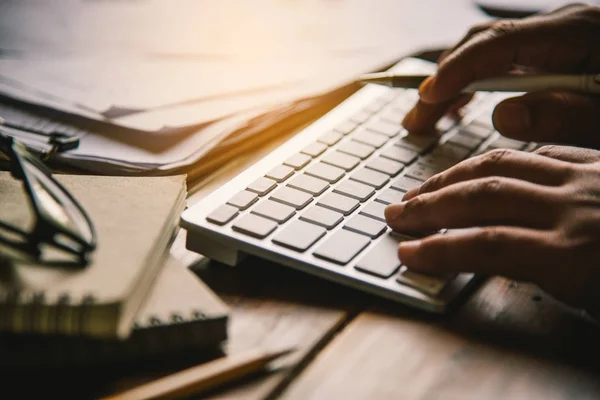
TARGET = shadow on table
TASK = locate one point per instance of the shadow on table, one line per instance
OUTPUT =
(498, 313)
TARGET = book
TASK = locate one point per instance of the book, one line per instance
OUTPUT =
(135, 220)
(182, 316)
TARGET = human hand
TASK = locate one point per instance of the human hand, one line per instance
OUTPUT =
(566, 40)
(532, 217)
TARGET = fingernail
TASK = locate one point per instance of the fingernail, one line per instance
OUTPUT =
(512, 116)
(407, 250)
(425, 88)
(393, 211)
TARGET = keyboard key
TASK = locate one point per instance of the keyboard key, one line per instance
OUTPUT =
(365, 226)
(392, 94)
(404, 183)
(421, 171)
(361, 116)
(484, 119)
(222, 214)
(243, 199)
(314, 149)
(385, 165)
(255, 226)
(299, 235)
(400, 154)
(276, 211)
(371, 138)
(322, 217)
(298, 161)
(382, 260)
(452, 151)
(337, 159)
(342, 246)
(438, 161)
(370, 177)
(465, 140)
(330, 138)
(346, 127)
(430, 285)
(376, 105)
(339, 203)
(403, 101)
(280, 173)
(309, 184)
(410, 96)
(262, 186)
(481, 151)
(356, 149)
(327, 172)
(356, 190)
(291, 197)
(393, 115)
(420, 144)
(384, 127)
(390, 196)
(506, 143)
(374, 210)
(482, 131)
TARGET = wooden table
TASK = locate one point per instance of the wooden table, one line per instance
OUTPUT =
(507, 340)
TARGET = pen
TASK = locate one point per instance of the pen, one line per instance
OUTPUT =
(515, 83)
(206, 376)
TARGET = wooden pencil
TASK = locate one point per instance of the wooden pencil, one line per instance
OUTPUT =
(203, 377)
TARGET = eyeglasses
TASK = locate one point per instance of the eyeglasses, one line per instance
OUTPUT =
(61, 226)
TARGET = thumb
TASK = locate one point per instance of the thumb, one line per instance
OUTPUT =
(558, 117)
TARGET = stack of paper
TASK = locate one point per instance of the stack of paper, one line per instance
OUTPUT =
(159, 86)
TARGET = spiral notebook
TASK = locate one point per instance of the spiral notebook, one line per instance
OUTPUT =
(135, 220)
(181, 317)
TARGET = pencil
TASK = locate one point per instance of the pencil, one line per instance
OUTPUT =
(513, 83)
(206, 376)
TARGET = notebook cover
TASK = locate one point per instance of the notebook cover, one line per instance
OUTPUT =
(181, 316)
(134, 217)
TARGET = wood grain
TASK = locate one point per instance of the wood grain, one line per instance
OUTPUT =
(274, 305)
(507, 341)
(270, 306)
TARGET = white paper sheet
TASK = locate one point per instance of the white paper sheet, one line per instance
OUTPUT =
(116, 58)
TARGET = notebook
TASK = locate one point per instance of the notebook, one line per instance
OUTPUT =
(182, 316)
(135, 220)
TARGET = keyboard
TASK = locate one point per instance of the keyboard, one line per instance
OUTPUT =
(317, 202)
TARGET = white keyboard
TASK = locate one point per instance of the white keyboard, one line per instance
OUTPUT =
(317, 202)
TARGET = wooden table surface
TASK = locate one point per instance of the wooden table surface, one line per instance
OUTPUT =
(507, 340)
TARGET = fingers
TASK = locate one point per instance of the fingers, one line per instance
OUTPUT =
(516, 253)
(472, 32)
(550, 117)
(487, 25)
(479, 202)
(521, 165)
(553, 42)
(570, 154)
(423, 117)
